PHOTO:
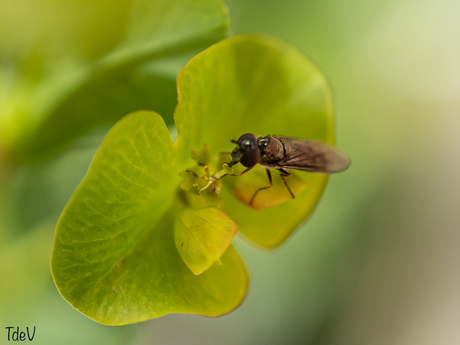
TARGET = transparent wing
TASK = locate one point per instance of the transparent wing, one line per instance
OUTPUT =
(311, 155)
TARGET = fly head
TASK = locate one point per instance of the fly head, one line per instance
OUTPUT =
(246, 151)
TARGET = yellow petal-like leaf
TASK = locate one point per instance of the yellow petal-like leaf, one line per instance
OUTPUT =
(244, 189)
(202, 236)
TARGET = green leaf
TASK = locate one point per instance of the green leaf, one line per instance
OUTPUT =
(27, 297)
(260, 85)
(106, 59)
(202, 236)
(114, 257)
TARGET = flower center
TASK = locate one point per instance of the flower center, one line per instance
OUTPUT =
(203, 179)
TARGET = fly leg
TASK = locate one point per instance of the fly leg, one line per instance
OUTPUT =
(284, 174)
(262, 188)
(241, 173)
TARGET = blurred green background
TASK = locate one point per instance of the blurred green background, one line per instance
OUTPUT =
(378, 263)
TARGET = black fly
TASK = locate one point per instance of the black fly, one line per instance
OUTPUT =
(282, 153)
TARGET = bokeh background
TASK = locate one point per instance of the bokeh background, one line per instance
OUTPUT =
(379, 261)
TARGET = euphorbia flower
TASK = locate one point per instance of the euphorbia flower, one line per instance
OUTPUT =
(140, 238)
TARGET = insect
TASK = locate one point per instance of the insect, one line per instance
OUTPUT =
(282, 153)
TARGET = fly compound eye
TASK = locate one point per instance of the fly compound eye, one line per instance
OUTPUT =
(246, 145)
(247, 150)
(247, 139)
(250, 157)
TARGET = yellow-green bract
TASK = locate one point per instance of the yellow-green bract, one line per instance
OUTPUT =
(115, 257)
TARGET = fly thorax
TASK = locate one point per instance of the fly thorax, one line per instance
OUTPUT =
(274, 149)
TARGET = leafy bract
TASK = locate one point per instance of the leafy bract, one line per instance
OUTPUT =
(70, 66)
(114, 257)
(116, 254)
(260, 85)
(245, 190)
(202, 236)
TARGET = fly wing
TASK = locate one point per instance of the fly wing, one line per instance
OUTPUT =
(311, 155)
